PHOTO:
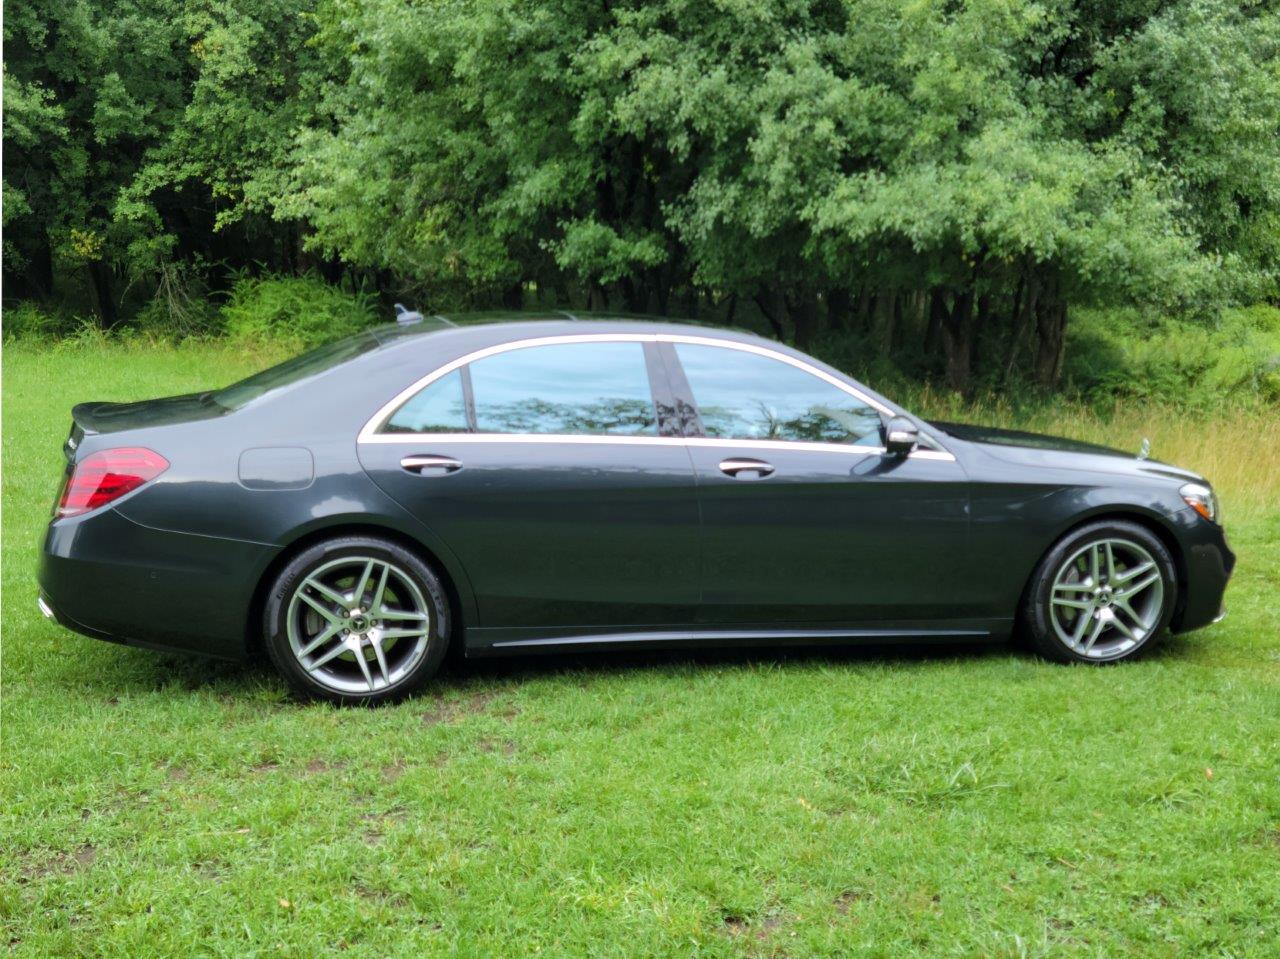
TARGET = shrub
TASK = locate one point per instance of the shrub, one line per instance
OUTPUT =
(1121, 354)
(179, 308)
(301, 311)
(29, 320)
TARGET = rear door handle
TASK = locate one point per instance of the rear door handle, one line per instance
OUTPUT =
(733, 467)
(425, 464)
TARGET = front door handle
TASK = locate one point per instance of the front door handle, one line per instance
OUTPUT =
(733, 467)
(426, 464)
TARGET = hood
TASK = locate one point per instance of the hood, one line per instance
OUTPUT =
(113, 417)
(1037, 449)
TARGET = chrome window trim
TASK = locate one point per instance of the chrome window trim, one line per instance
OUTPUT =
(369, 432)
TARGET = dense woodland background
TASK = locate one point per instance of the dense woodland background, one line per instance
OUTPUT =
(936, 190)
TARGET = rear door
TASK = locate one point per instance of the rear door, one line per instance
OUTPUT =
(545, 469)
(805, 519)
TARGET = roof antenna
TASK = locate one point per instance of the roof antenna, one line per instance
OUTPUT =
(405, 317)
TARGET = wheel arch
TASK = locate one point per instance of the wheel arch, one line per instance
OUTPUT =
(1156, 524)
(460, 605)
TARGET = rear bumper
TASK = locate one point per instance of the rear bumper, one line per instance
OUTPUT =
(1208, 562)
(110, 578)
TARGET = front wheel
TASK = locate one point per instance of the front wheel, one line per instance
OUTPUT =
(356, 619)
(1102, 594)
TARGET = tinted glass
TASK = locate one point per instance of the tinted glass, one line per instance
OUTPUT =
(747, 396)
(438, 408)
(571, 388)
(291, 371)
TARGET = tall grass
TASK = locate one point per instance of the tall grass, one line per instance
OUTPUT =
(1236, 448)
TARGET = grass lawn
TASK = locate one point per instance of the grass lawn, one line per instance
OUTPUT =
(960, 803)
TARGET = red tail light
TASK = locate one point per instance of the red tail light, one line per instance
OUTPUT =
(102, 477)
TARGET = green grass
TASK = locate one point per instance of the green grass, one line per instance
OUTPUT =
(957, 803)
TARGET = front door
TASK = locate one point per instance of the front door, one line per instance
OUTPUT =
(805, 520)
(542, 467)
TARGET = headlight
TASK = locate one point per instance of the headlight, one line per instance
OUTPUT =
(1202, 499)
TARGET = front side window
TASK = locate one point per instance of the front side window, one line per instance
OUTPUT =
(592, 388)
(744, 395)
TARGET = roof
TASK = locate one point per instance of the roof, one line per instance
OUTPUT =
(497, 326)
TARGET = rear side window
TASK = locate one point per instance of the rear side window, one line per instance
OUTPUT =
(591, 388)
(439, 408)
(744, 395)
(571, 388)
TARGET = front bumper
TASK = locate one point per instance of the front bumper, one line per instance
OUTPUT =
(1207, 562)
(107, 577)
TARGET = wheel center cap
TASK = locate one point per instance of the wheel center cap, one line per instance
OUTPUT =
(359, 623)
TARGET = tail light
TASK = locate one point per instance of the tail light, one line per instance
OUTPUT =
(103, 477)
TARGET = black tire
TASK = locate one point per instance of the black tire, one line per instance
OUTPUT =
(1036, 618)
(412, 585)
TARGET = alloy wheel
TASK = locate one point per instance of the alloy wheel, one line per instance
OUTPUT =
(358, 624)
(1107, 598)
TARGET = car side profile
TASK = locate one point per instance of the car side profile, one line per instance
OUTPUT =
(534, 483)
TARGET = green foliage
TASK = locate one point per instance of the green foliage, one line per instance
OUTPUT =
(299, 311)
(995, 162)
(1121, 354)
(31, 321)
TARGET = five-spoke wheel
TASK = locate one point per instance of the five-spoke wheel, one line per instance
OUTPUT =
(356, 619)
(1101, 594)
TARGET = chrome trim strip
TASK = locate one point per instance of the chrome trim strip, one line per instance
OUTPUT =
(369, 432)
(775, 355)
(734, 634)
(607, 440)
(45, 608)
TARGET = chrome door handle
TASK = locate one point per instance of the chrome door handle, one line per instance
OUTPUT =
(733, 467)
(422, 463)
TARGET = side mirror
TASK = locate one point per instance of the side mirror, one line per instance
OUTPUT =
(900, 436)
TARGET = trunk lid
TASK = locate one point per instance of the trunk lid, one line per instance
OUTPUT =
(96, 418)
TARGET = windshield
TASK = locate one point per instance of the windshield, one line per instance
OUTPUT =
(292, 371)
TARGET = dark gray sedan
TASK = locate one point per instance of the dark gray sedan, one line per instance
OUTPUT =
(556, 483)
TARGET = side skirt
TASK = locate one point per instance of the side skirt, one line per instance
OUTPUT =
(505, 641)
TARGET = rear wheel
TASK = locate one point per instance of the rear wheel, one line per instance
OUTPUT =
(356, 619)
(1102, 594)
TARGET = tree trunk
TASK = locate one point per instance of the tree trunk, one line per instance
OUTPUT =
(733, 309)
(100, 275)
(839, 305)
(513, 296)
(1051, 328)
(958, 328)
(770, 311)
(892, 322)
(691, 303)
(804, 316)
(866, 304)
(937, 315)
(36, 280)
(662, 291)
(1023, 310)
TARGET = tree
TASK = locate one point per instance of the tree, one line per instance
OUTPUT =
(943, 178)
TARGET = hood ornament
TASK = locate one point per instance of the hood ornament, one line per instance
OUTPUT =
(1145, 449)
